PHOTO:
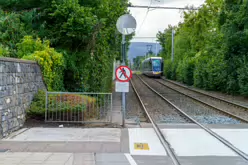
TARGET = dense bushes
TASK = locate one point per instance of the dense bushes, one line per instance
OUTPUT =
(74, 41)
(82, 31)
(37, 108)
(184, 71)
(11, 31)
(4, 51)
(50, 61)
(210, 47)
(62, 107)
(170, 68)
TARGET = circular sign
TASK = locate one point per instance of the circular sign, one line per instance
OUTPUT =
(123, 74)
(126, 24)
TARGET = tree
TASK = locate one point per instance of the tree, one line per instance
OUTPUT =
(210, 47)
(83, 31)
(234, 25)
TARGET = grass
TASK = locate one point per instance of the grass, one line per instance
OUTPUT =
(137, 72)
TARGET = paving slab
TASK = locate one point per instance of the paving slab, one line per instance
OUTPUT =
(194, 160)
(125, 141)
(28, 158)
(111, 159)
(147, 136)
(152, 160)
(212, 160)
(114, 146)
(67, 134)
(37, 158)
(197, 142)
(238, 137)
(64, 147)
(116, 109)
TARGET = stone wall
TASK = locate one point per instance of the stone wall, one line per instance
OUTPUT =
(19, 81)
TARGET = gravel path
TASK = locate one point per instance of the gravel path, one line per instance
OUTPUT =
(239, 111)
(194, 109)
(159, 110)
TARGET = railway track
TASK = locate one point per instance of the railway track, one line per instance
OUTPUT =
(160, 135)
(200, 112)
(163, 141)
(228, 108)
(239, 105)
(160, 111)
(134, 108)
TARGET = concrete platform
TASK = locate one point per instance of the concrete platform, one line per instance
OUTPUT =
(203, 160)
(67, 134)
(114, 146)
(28, 158)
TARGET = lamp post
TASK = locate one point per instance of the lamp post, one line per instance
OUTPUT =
(149, 48)
(172, 45)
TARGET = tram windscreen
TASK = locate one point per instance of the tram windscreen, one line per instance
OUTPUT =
(156, 65)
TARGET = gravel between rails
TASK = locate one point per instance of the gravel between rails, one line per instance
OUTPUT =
(159, 110)
(239, 111)
(134, 108)
(199, 112)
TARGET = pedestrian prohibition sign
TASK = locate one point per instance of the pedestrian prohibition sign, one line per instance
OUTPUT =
(123, 74)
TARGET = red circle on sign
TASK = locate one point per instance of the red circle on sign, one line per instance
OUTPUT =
(128, 78)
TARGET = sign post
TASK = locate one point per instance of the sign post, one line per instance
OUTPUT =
(126, 24)
(123, 75)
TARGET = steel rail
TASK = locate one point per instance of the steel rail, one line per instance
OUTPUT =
(218, 137)
(165, 144)
(214, 97)
(83, 93)
(212, 106)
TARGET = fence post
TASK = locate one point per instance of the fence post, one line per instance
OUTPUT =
(46, 107)
(111, 108)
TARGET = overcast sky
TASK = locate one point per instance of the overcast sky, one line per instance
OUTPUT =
(159, 19)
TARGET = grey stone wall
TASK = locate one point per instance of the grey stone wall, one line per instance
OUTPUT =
(19, 81)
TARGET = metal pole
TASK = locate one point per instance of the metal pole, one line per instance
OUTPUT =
(123, 93)
(156, 49)
(46, 107)
(172, 45)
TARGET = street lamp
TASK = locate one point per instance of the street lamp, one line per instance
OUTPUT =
(172, 45)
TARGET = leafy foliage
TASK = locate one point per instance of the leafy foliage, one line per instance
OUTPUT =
(37, 108)
(210, 47)
(83, 31)
(11, 31)
(4, 51)
(184, 71)
(50, 61)
(72, 105)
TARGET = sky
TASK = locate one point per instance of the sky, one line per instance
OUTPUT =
(158, 19)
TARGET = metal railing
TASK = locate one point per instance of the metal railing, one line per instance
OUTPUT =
(68, 107)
